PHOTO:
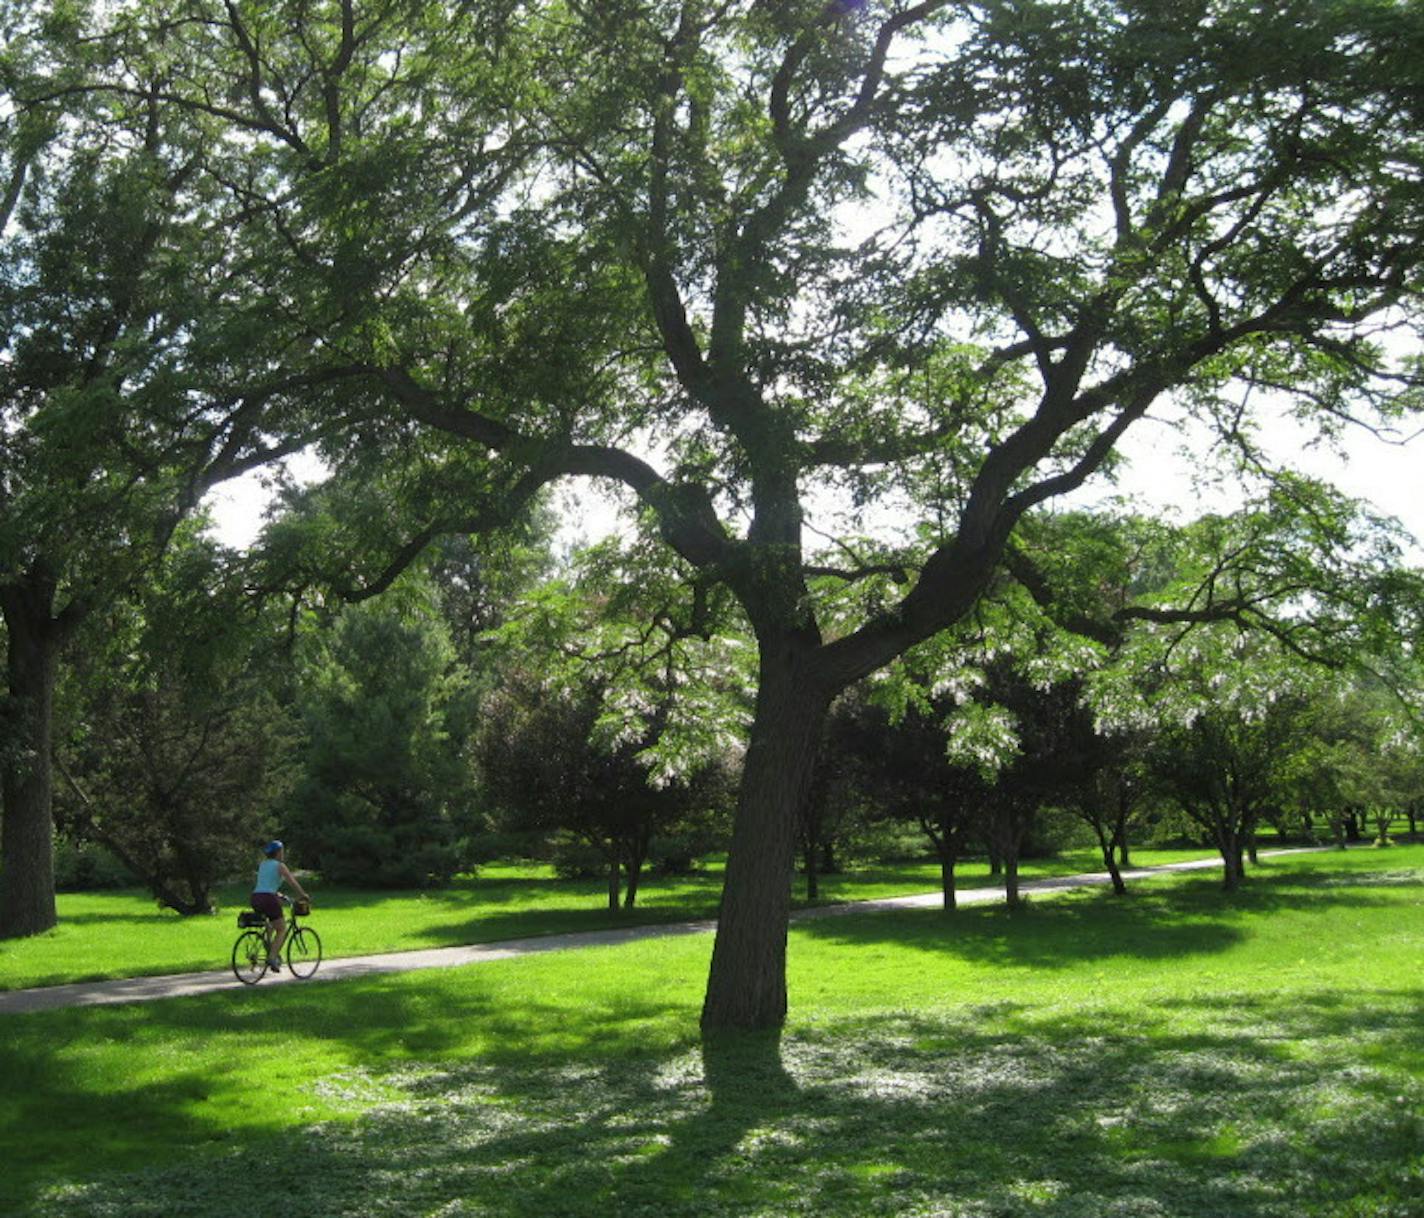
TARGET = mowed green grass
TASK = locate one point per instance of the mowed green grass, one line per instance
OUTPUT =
(124, 934)
(1179, 1052)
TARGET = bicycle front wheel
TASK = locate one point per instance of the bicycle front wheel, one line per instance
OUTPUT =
(249, 957)
(303, 952)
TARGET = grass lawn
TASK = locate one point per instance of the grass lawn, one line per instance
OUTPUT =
(123, 934)
(1176, 1053)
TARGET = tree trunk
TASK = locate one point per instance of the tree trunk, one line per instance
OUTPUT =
(947, 838)
(947, 860)
(26, 767)
(614, 886)
(813, 876)
(1234, 870)
(1011, 879)
(635, 849)
(1115, 874)
(1108, 844)
(635, 871)
(746, 986)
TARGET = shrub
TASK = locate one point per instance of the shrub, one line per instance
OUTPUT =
(88, 867)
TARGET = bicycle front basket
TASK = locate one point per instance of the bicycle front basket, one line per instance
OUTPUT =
(301, 908)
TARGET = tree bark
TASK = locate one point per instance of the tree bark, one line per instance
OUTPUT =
(813, 876)
(630, 894)
(636, 849)
(614, 885)
(26, 767)
(746, 986)
(1011, 880)
(1232, 850)
(947, 861)
(1109, 846)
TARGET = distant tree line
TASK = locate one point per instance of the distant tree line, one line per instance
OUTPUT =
(475, 711)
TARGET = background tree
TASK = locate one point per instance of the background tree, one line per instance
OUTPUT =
(902, 768)
(176, 746)
(1229, 715)
(630, 665)
(386, 795)
(1114, 796)
(542, 763)
(139, 370)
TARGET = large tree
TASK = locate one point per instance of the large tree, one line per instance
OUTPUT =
(1076, 212)
(140, 365)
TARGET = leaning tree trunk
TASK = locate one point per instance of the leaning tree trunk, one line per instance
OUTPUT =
(1108, 846)
(636, 849)
(746, 986)
(26, 765)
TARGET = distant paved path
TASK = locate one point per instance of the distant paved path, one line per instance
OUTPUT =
(145, 989)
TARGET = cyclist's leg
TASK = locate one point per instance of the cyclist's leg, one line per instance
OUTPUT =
(276, 936)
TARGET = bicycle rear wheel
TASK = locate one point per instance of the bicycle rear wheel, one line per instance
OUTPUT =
(303, 952)
(249, 957)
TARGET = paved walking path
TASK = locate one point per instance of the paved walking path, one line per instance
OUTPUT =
(145, 989)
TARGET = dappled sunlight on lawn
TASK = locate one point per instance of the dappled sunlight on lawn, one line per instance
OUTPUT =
(1188, 1108)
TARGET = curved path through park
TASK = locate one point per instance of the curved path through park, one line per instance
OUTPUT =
(145, 989)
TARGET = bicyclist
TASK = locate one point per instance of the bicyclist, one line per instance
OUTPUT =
(272, 873)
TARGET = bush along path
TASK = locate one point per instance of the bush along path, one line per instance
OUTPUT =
(145, 989)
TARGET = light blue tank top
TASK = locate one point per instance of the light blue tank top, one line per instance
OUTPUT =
(269, 876)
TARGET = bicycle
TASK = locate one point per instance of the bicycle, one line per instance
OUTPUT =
(254, 946)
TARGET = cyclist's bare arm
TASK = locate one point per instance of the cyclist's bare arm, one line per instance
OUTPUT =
(292, 880)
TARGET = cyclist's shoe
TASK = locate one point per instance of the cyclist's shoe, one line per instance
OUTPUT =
(274, 966)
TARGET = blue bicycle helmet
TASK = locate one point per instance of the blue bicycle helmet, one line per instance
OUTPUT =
(271, 848)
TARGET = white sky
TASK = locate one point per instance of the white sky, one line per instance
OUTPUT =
(1383, 474)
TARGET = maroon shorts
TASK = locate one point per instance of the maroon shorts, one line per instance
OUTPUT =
(267, 904)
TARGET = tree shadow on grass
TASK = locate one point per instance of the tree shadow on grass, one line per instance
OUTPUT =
(485, 927)
(1259, 1109)
(152, 915)
(50, 1091)
(1190, 917)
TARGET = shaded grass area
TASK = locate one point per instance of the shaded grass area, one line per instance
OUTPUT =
(123, 934)
(1178, 1053)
